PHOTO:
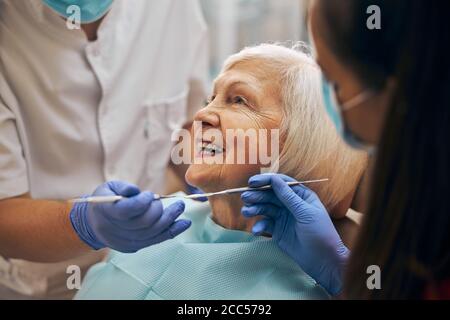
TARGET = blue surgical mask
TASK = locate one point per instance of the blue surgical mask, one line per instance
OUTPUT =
(335, 110)
(91, 10)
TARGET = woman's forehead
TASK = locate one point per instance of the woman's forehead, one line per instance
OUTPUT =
(252, 73)
(232, 78)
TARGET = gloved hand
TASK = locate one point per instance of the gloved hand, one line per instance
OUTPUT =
(127, 225)
(300, 225)
(195, 190)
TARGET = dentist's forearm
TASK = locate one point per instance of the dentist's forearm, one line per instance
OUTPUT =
(38, 230)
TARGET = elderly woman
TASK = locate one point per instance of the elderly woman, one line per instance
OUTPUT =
(264, 87)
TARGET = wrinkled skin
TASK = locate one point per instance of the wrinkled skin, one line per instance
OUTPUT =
(244, 97)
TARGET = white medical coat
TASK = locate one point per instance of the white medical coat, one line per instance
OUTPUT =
(74, 113)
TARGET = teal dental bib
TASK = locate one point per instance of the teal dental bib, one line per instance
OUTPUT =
(207, 262)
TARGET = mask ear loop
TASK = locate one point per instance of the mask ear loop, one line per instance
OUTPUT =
(356, 101)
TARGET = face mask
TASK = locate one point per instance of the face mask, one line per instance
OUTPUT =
(91, 10)
(335, 110)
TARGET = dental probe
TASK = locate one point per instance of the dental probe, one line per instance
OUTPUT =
(108, 199)
(97, 199)
(237, 190)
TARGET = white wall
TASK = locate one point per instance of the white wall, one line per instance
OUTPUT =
(235, 24)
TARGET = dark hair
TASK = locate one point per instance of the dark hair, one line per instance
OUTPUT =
(406, 230)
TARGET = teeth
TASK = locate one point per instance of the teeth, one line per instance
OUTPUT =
(211, 148)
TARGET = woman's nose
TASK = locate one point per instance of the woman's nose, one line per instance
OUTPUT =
(208, 116)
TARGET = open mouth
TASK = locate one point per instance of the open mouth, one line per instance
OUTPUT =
(210, 149)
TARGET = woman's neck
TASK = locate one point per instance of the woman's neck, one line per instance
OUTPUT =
(226, 212)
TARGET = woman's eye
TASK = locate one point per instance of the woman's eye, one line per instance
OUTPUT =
(209, 100)
(239, 100)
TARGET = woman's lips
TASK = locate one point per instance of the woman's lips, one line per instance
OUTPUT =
(209, 149)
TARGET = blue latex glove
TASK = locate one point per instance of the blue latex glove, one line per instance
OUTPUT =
(127, 225)
(195, 190)
(301, 226)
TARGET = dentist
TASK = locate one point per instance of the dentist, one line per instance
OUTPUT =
(386, 90)
(79, 107)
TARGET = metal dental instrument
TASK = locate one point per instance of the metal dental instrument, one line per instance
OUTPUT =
(97, 199)
(237, 190)
(109, 199)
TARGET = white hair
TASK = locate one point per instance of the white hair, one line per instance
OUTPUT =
(311, 146)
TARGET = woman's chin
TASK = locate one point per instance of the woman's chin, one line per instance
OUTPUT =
(199, 176)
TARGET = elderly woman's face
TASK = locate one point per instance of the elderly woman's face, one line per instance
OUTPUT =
(247, 96)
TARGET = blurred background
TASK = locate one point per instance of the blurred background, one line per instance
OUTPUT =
(235, 24)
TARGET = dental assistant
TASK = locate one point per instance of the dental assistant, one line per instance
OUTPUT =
(387, 93)
(79, 107)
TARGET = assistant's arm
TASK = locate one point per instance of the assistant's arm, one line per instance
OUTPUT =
(49, 231)
(38, 230)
